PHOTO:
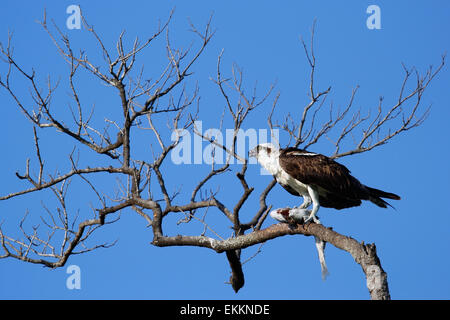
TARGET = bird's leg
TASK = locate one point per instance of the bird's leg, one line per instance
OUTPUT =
(306, 202)
(316, 205)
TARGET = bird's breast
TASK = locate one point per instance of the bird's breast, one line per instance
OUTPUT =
(285, 179)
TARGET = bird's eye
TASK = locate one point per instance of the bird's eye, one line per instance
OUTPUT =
(269, 150)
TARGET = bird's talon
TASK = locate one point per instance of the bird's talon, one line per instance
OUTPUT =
(311, 219)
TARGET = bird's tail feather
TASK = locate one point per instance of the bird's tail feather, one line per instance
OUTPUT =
(383, 194)
(376, 195)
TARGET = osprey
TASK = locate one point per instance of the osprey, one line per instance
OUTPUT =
(318, 179)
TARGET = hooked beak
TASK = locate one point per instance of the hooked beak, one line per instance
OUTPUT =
(253, 152)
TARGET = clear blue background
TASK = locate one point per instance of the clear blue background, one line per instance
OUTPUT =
(263, 37)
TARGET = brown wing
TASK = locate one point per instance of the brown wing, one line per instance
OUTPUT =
(323, 172)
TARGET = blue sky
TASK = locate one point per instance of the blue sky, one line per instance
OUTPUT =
(262, 37)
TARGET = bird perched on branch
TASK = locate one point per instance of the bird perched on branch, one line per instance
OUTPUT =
(317, 178)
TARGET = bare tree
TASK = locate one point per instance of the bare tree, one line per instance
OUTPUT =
(142, 185)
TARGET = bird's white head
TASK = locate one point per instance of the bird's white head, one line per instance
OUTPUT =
(267, 155)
